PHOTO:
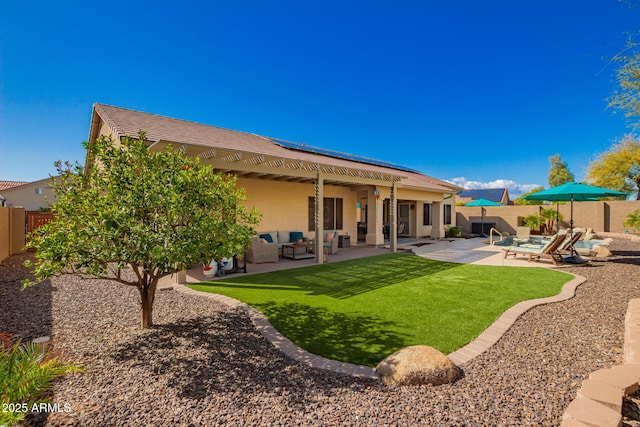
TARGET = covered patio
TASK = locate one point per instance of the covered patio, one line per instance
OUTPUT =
(298, 187)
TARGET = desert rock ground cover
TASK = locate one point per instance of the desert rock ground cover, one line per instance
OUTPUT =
(205, 364)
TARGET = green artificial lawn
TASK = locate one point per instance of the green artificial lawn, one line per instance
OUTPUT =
(362, 310)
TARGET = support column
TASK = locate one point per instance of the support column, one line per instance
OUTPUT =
(374, 219)
(393, 226)
(437, 215)
(318, 218)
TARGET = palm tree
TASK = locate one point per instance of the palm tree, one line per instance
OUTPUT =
(633, 220)
(534, 222)
(27, 372)
(551, 216)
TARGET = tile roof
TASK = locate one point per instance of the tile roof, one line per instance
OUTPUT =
(124, 122)
(4, 185)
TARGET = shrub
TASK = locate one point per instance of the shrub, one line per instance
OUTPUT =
(453, 232)
(26, 374)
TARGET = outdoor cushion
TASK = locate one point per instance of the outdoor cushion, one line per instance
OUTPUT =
(531, 246)
(295, 235)
(267, 237)
(283, 237)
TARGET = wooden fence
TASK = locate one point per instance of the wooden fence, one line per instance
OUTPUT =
(36, 219)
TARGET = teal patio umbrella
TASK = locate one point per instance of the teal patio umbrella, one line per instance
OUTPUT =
(573, 191)
(482, 203)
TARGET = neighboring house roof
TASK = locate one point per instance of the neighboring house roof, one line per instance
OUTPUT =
(234, 146)
(10, 184)
(498, 195)
(20, 184)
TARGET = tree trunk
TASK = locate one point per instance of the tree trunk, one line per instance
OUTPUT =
(147, 295)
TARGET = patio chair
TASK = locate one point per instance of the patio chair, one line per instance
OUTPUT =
(330, 241)
(260, 252)
(548, 250)
(523, 234)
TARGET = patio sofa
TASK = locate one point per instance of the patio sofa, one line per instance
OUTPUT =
(281, 237)
(284, 237)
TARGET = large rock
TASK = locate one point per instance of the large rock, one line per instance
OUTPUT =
(415, 365)
(602, 251)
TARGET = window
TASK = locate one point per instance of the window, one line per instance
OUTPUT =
(39, 191)
(447, 214)
(426, 214)
(332, 211)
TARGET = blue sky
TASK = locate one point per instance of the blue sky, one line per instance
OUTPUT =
(468, 91)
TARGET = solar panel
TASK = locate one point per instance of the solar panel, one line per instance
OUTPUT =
(300, 146)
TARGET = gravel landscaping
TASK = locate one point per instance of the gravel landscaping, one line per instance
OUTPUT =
(205, 364)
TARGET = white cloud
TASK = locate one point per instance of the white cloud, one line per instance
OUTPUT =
(514, 188)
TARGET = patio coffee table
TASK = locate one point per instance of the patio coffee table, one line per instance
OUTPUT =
(295, 251)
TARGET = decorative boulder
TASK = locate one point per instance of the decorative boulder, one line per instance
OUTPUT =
(602, 251)
(415, 365)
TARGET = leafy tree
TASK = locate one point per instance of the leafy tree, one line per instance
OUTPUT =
(134, 217)
(550, 216)
(559, 172)
(633, 220)
(627, 97)
(520, 200)
(618, 168)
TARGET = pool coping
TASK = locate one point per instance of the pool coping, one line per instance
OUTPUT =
(463, 355)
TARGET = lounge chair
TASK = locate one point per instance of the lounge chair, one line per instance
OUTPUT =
(569, 243)
(548, 250)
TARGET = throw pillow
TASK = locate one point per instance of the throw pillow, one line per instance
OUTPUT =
(329, 237)
(262, 240)
(267, 237)
(295, 235)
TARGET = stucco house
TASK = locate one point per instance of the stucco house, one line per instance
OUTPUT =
(362, 197)
(32, 196)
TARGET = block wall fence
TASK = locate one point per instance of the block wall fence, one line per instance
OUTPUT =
(602, 216)
(12, 231)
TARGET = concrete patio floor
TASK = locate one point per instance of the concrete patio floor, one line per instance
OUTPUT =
(465, 251)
